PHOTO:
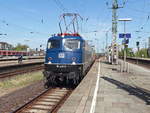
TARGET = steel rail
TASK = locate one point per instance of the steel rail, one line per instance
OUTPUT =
(23, 70)
(48, 101)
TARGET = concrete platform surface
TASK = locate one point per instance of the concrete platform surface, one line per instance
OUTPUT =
(106, 90)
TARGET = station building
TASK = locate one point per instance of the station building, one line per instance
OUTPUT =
(5, 46)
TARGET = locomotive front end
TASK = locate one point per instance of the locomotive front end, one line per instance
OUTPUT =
(63, 62)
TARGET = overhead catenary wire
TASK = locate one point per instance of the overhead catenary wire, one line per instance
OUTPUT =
(31, 14)
(124, 2)
(143, 13)
(147, 19)
(31, 31)
(60, 5)
(64, 9)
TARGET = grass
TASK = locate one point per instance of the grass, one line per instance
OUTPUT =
(21, 80)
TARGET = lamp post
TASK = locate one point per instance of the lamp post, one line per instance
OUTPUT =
(107, 42)
(125, 20)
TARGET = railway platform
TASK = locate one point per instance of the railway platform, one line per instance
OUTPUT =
(107, 90)
(11, 63)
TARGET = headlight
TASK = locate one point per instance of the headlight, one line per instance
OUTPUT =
(49, 58)
(73, 59)
(73, 63)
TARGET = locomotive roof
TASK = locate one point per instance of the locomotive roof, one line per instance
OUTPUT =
(61, 36)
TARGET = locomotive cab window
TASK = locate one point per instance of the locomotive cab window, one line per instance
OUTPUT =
(71, 44)
(53, 44)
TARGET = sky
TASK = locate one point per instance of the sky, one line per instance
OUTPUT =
(32, 22)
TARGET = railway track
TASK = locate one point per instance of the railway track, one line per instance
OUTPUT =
(139, 61)
(20, 71)
(48, 101)
(24, 58)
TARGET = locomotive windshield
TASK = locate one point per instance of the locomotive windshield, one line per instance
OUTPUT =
(53, 44)
(71, 44)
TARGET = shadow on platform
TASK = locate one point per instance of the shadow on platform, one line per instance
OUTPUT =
(136, 91)
(105, 62)
(113, 69)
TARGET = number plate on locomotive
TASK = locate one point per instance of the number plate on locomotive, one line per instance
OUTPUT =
(61, 55)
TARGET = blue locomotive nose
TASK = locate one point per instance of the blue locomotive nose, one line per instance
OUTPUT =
(64, 51)
(64, 57)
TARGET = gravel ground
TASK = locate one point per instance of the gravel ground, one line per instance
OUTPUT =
(15, 99)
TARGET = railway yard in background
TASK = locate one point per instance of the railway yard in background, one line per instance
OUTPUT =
(75, 56)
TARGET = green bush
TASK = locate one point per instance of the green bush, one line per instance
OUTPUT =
(142, 53)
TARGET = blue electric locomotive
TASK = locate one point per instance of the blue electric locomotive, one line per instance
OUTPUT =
(68, 56)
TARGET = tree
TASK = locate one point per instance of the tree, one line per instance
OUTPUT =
(129, 52)
(142, 53)
(21, 47)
